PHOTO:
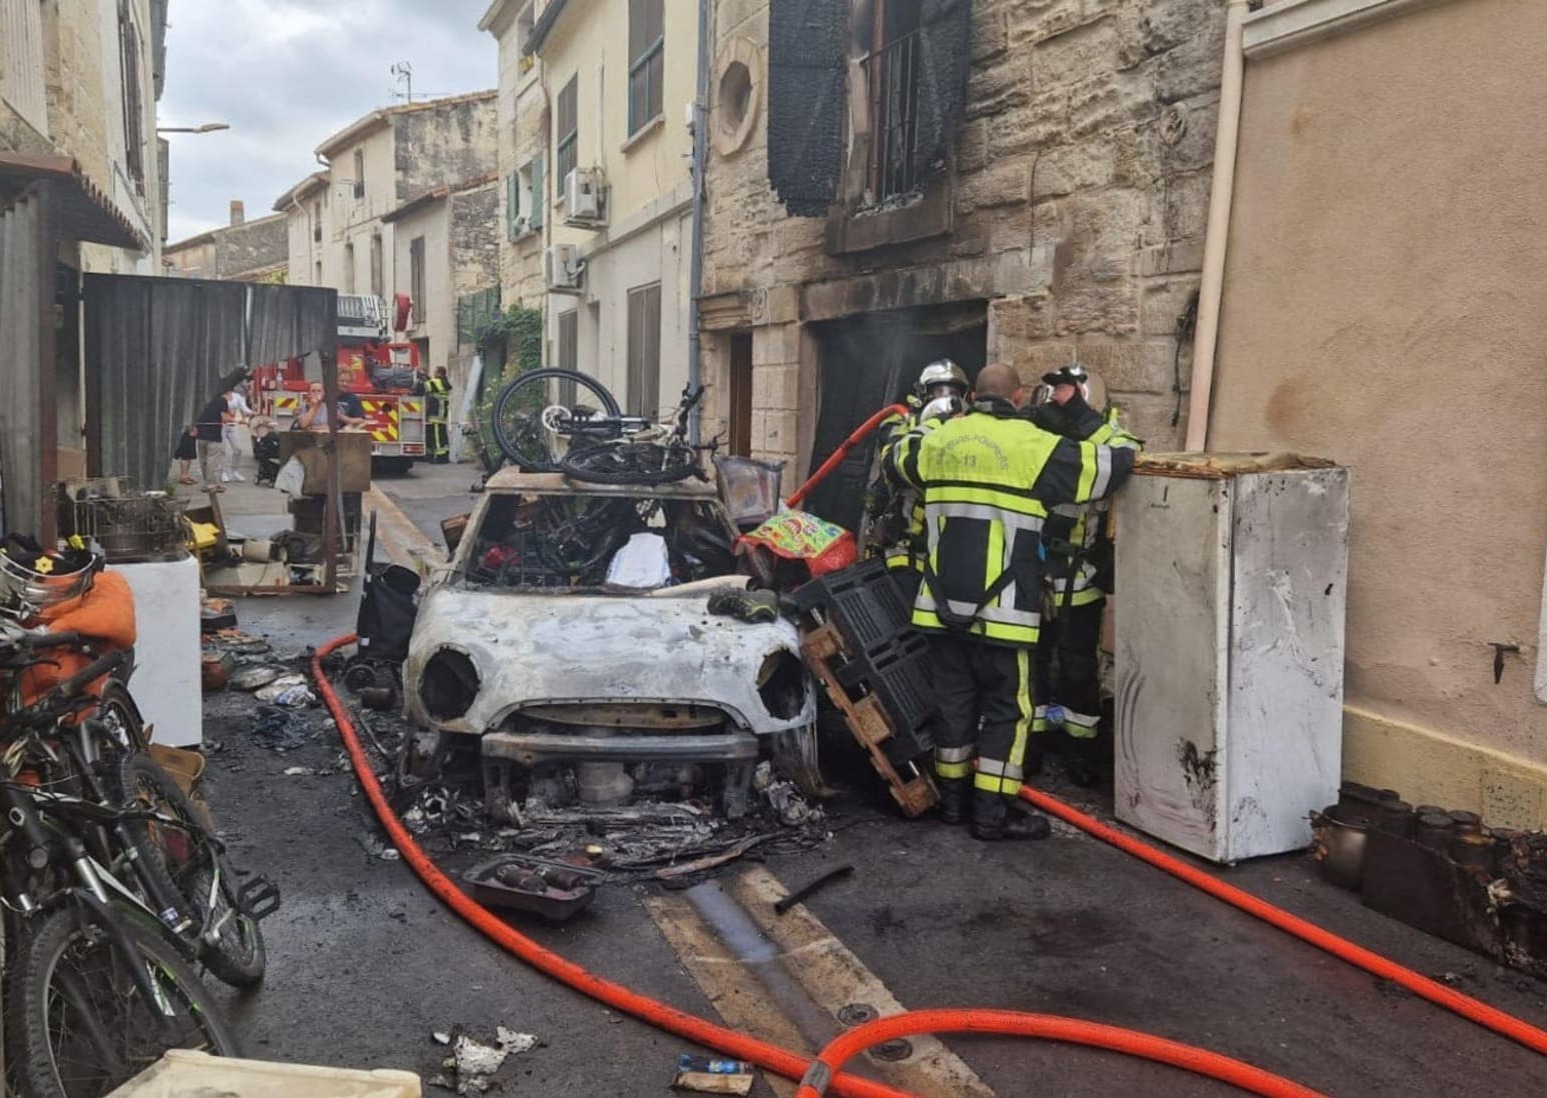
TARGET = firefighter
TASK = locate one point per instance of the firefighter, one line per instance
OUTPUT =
(896, 513)
(437, 391)
(1077, 578)
(987, 480)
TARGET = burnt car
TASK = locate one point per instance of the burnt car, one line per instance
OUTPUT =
(570, 643)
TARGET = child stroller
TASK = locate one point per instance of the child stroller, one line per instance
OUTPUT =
(265, 451)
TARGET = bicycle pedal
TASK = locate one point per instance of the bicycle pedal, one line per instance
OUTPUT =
(258, 898)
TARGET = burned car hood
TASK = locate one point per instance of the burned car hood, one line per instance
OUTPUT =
(531, 649)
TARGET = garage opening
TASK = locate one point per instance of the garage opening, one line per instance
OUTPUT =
(869, 361)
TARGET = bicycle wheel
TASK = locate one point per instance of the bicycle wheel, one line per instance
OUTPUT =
(517, 420)
(630, 463)
(181, 852)
(117, 710)
(77, 1025)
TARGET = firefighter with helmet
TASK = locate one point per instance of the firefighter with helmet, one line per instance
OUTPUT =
(897, 515)
(988, 480)
(437, 392)
(1077, 578)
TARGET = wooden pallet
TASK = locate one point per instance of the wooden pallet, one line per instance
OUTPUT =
(867, 720)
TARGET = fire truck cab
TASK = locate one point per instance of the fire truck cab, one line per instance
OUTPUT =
(382, 372)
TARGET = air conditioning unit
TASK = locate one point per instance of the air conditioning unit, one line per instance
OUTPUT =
(561, 265)
(583, 197)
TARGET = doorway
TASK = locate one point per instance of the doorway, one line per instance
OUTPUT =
(873, 360)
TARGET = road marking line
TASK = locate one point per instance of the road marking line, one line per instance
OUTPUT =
(731, 988)
(398, 537)
(789, 991)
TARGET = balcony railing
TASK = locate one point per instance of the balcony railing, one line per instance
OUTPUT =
(892, 77)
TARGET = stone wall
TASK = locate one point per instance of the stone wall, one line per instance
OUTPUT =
(253, 247)
(476, 230)
(1076, 204)
(451, 141)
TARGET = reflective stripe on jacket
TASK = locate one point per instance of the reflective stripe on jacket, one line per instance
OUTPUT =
(987, 480)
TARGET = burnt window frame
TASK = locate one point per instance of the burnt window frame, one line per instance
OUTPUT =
(566, 151)
(647, 58)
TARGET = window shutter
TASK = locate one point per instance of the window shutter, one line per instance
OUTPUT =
(945, 55)
(807, 85)
(512, 204)
(539, 194)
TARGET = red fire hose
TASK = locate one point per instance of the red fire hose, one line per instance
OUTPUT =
(701, 1031)
(1048, 1027)
(794, 1066)
(1506, 1025)
(836, 457)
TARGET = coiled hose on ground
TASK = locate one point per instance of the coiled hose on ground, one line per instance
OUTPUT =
(791, 1065)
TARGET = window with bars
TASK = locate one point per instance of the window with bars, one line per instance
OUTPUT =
(568, 132)
(647, 61)
(892, 70)
(416, 276)
(644, 350)
(134, 107)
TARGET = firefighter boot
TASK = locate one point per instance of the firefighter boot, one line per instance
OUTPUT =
(996, 816)
(953, 800)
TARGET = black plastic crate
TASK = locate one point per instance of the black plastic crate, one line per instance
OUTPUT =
(900, 675)
(864, 602)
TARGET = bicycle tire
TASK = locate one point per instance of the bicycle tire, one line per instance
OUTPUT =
(518, 432)
(64, 954)
(115, 706)
(187, 864)
(615, 463)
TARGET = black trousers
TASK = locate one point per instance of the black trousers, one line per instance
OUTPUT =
(986, 706)
(1069, 669)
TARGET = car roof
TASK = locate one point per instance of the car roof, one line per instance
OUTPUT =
(515, 482)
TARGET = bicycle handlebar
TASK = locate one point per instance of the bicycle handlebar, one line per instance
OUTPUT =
(47, 707)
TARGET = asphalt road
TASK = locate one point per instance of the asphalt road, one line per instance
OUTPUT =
(365, 964)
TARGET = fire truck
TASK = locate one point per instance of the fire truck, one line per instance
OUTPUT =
(380, 370)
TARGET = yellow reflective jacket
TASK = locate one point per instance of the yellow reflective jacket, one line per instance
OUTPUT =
(987, 480)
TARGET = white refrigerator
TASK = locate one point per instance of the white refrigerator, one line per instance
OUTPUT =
(1231, 579)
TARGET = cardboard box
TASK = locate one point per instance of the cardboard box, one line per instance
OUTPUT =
(311, 448)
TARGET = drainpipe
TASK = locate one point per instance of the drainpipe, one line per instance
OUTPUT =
(696, 262)
(1212, 289)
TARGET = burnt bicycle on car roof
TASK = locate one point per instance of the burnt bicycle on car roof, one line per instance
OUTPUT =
(560, 420)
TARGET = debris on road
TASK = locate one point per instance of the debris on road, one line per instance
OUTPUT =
(810, 888)
(703, 1076)
(280, 729)
(256, 676)
(554, 890)
(371, 843)
(473, 1062)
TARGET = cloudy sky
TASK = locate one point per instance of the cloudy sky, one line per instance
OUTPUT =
(287, 73)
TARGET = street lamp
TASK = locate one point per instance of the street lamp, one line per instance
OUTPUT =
(208, 127)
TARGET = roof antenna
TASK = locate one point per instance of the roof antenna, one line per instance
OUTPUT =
(405, 72)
